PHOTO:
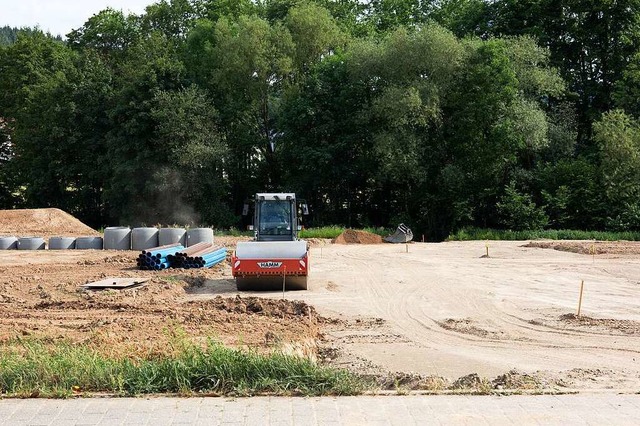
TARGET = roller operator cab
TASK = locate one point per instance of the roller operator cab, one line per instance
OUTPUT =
(275, 257)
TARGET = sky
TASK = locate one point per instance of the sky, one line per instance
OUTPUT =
(59, 17)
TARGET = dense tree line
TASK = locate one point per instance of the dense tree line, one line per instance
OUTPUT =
(9, 35)
(442, 114)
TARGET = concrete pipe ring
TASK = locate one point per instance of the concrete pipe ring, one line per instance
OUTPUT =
(62, 243)
(144, 238)
(168, 236)
(117, 238)
(31, 243)
(89, 243)
(199, 235)
(8, 243)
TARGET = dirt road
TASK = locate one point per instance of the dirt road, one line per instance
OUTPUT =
(443, 310)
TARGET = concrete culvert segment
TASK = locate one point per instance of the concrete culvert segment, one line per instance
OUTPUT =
(117, 238)
(168, 236)
(144, 238)
(62, 243)
(199, 235)
(31, 243)
(89, 243)
(8, 243)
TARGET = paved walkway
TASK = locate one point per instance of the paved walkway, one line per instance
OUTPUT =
(596, 409)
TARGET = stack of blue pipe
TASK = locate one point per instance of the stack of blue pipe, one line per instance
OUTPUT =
(207, 260)
(157, 258)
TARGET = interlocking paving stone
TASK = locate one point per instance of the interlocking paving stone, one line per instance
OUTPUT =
(596, 409)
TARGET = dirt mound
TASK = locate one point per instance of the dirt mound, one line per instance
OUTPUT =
(609, 324)
(351, 236)
(589, 247)
(515, 379)
(42, 223)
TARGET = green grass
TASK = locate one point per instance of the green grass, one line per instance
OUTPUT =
(469, 234)
(33, 368)
(322, 232)
(233, 232)
(334, 231)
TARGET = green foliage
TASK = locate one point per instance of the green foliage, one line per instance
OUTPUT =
(627, 219)
(430, 113)
(627, 88)
(590, 42)
(618, 137)
(59, 369)
(9, 35)
(518, 212)
(314, 33)
(334, 231)
(108, 31)
(478, 234)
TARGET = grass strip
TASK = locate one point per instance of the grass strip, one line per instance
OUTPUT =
(470, 234)
(32, 368)
(320, 232)
(334, 231)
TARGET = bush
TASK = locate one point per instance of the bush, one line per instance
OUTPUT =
(473, 234)
(519, 212)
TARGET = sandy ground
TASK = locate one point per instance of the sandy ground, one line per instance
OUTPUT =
(431, 316)
(443, 310)
(41, 297)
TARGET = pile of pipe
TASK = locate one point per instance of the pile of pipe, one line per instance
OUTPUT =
(201, 255)
(157, 258)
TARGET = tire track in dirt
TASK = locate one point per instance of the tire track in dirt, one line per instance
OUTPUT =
(415, 292)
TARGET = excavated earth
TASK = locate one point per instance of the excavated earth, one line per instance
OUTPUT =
(439, 317)
(41, 297)
(590, 247)
(42, 223)
(444, 317)
(352, 236)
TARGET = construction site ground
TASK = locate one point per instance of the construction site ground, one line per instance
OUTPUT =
(440, 316)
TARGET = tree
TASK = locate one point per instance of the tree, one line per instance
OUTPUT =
(518, 212)
(388, 15)
(618, 137)
(591, 43)
(192, 179)
(173, 18)
(132, 151)
(245, 66)
(109, 31)
(35, 105)
(314, 33)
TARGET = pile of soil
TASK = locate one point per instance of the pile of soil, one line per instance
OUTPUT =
(515, 379)
(42, 223)
(609, 324)
(351, 236)
(589, 247)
